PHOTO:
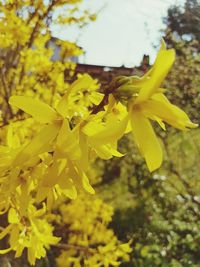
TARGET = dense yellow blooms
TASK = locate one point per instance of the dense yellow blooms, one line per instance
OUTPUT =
(45, 158)
(28, 231)
(98, 246)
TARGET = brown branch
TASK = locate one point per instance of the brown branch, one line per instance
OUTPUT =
(104, 101)
(7, 123)
(34, 13)
(68, 246)
(99, 107)
(37, 25)
(6, 93)
(76, 247)
(40, 18)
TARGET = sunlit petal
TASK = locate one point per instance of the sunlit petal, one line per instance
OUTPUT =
(39, 144)
(146, 140)
(36, 108)
(167, 112)
(161, 67)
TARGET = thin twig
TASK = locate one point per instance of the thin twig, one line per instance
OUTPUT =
(76, 247)
(7, 123)
(6, 93)
(104, 101)
(32, 37)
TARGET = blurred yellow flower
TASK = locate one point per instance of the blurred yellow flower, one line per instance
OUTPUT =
(29, 231)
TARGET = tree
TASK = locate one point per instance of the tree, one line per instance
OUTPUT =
(184, 20)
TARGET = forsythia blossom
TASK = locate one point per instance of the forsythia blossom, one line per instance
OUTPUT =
(146, 101)
(98, 242)
(45, 160)
(30, 231)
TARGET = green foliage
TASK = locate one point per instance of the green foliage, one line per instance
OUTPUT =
(185, 21)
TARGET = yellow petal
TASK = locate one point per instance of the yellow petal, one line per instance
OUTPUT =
(92, 128)
(31, 255)
(79, 177)
(113, 131)
(52, 196)
(159, 121)
(100, 134)
(42, 193)
(128, 128)
(96, 98)
(24, 199)
(14, 236)
(52, 175)
(5, 251)
(40, 143)
(84, 159)
(19, 249)
(107, 151)
(82, 82)
(161, 67)
(68, 187)
(13, 216)
(34, 107)
(41, 211)
(5, 231)
(146, 140)
(86, 184)
(67, 143)
(73, 174)
(159, 106)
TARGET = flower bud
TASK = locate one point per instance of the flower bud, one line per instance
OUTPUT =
(124, 89)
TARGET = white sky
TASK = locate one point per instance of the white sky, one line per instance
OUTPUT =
(122, 33)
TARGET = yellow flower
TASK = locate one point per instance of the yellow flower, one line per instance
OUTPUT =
(45, 114)
(65, 171)
(151, 104)
(104, 129)
(92, 233)
(31, 232)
